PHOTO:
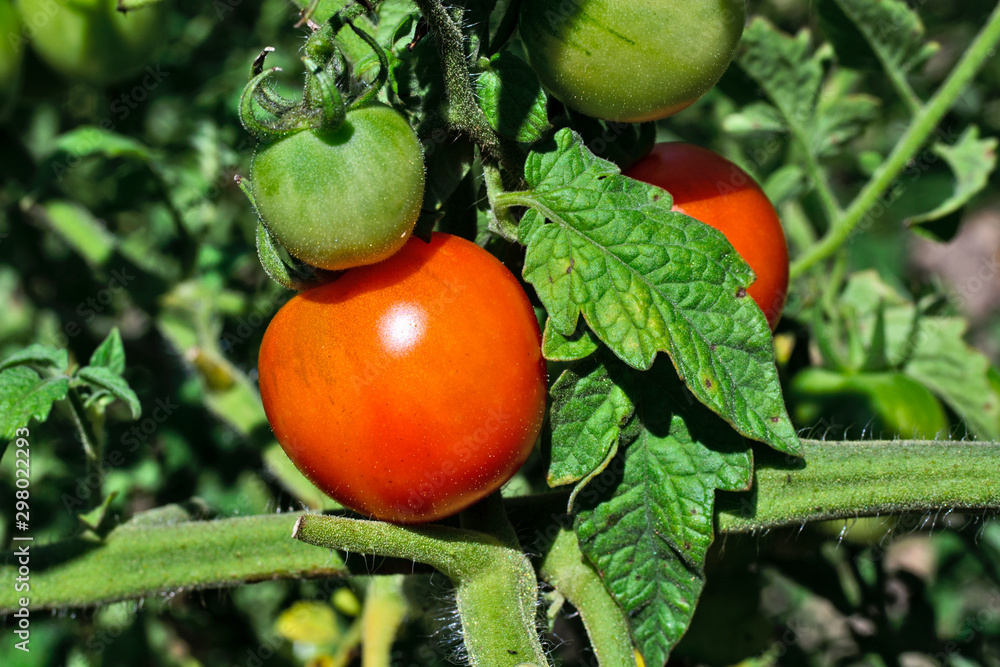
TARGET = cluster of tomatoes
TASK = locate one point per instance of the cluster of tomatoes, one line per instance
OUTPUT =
(416, 385)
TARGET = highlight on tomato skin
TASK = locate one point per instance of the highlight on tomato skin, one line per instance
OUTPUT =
(410, 389)
(710, 188)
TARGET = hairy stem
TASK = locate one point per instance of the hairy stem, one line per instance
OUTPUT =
(463, 112)
(567, 570)
(495, 586)
(916, 136)
(141, 559)
(867, 478)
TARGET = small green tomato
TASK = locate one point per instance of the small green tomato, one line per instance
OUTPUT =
(345, 197)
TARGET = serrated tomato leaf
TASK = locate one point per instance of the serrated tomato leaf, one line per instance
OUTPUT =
(869, 34)
(648, 536)
(646, 280)
(41, 356)
(971, 160)
(791, 73)
(25, 395)
(588, 413)
(580, 344)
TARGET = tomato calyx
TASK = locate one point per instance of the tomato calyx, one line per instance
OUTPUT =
(303, 241)
(322, 106)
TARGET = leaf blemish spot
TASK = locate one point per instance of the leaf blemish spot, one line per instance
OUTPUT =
(708, 383)
(741, 293)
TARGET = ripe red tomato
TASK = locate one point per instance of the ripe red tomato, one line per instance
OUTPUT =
(710, 188)
(409, 389)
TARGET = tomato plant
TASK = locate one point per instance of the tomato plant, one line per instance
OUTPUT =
(710, 188)
(884, 405)
(91, 41)
(668, 473)
(634, 61)
(342, 197)
(409, 389)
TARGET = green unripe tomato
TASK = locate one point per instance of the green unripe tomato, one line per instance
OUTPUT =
(630, 61)
(885, 405)
(89, 40)
(11, 49)
(344, 197)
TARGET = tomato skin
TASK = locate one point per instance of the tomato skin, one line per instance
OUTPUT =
(710, 188)
(342, 198)
(885, 405)
(408, 390)
(89, 40)
(630, 61)
(11, 53)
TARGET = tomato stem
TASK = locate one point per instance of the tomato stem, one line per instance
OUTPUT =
(463, 112)
(839, 480)
(495, 585)
(865, 478)
(566, 568)
(502, 222)
(844, 227)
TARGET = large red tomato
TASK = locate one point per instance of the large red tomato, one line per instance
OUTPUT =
(710, 188)
(409, 389)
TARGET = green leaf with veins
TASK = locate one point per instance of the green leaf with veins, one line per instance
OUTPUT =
(972, 160)
(868, 34)
(588, 413)
(791, 74)
(110, 353)
(38, 355)
(840, 120)
(102, 378)
(557, 347)
(785, 68)
(512, 98)
(646, 280)
(647, 521)
(24, 395)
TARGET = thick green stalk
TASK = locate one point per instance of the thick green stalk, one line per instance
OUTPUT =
(568, 571)
(916, 136)
(869, 478)
(839, 480)
(495, 586)
(140, 560)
